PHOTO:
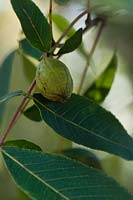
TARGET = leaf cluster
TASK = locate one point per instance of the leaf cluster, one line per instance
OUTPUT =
(81, 119)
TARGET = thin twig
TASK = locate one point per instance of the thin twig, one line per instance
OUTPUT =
(68, 29)
(50, 13)
(22, 109)
(102, 23)
(17, 113)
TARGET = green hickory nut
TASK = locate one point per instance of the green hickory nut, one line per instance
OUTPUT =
(54, 80)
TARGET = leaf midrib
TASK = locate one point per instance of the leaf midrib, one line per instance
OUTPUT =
(34, 175)
(33, 26)
(80, 127)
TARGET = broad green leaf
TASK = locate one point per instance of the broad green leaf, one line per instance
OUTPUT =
(29, 50)
(61, 2)
(33, 113)
(85, 122)
(11, 95)
(5, 76)
(62, 23)
(101, 87)
(34, 24)
(22, 144)
(83, 155)
(29, 68)
(72, 43)
(51, 177)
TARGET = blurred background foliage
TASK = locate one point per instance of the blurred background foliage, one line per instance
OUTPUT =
(118, 35)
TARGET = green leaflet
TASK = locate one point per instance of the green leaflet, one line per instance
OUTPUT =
(34, 24)
(28, 67)
(5, 76)
(72, 43)
(85, 122)
(22, 144)
(29, 50)
(46, 176)
(11, 95)
(33, 113)
(83, 155)
(101, 87)
(62, 23)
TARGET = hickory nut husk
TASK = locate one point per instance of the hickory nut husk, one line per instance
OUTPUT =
(54, 80)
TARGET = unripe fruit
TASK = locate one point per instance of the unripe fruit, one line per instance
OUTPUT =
(54, 80)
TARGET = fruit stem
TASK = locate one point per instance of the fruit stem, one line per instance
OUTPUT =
(102, 23)
(17, 113)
